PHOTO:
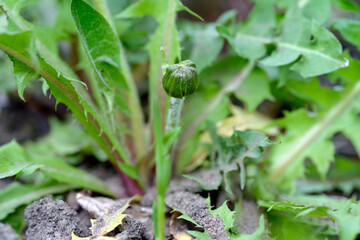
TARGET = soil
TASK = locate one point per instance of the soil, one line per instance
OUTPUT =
(196, 208)
(7, 232)
(52, 220)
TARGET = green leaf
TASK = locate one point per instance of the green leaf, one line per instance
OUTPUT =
(15, 195)
(201, 235)
(310, 136)
(296, 209)
(100, 42)
(206, 43)
(312, 49)
(349, 30)
(318, 49)
(254, 90)
(181, 7)
(17, 45)
(64, 139)
(346, 5)
(248, 41)
(224, 213)
(52, 167)
(23, 74)
(348, 219)
(316, 10)
(169, 138)
(8, 169)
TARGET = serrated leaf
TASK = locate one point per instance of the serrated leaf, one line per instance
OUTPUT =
(296, 209)
(224, 213)
(310, 136)
(312, 49)
(16, 194)
(16, 45)
(23, 74)
(348, 218)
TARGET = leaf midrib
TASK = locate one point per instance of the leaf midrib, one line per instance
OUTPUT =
(297, 48)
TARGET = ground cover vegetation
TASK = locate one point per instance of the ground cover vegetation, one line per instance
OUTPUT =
(233, 129)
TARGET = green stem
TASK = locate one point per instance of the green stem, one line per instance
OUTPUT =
(309, 137)
(157, 96)
(174, 113)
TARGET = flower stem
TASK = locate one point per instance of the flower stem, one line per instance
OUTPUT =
(173, 117)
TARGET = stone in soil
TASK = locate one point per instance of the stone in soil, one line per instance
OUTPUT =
(132, 229)
(7, 232)
(195, 206)
(52, 220)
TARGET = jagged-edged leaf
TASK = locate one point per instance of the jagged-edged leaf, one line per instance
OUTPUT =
(348, 218)
(296, 209)
(23, 74)
(310, 48)
(316, 50)
(16, 194)
(52, 167)
(16, 45)
(344, 211)
(309, 136)
(349, 29)
(224, 213)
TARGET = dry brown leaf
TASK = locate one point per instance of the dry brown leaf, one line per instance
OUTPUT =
(96, 206)
(111, 219)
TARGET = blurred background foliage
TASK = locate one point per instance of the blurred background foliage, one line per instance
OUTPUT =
(276, 101)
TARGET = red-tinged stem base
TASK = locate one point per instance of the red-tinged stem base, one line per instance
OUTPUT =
(132, 188)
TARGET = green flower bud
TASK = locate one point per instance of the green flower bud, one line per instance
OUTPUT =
(181, 80)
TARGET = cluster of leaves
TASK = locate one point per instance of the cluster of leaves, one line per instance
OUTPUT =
(284, 52)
